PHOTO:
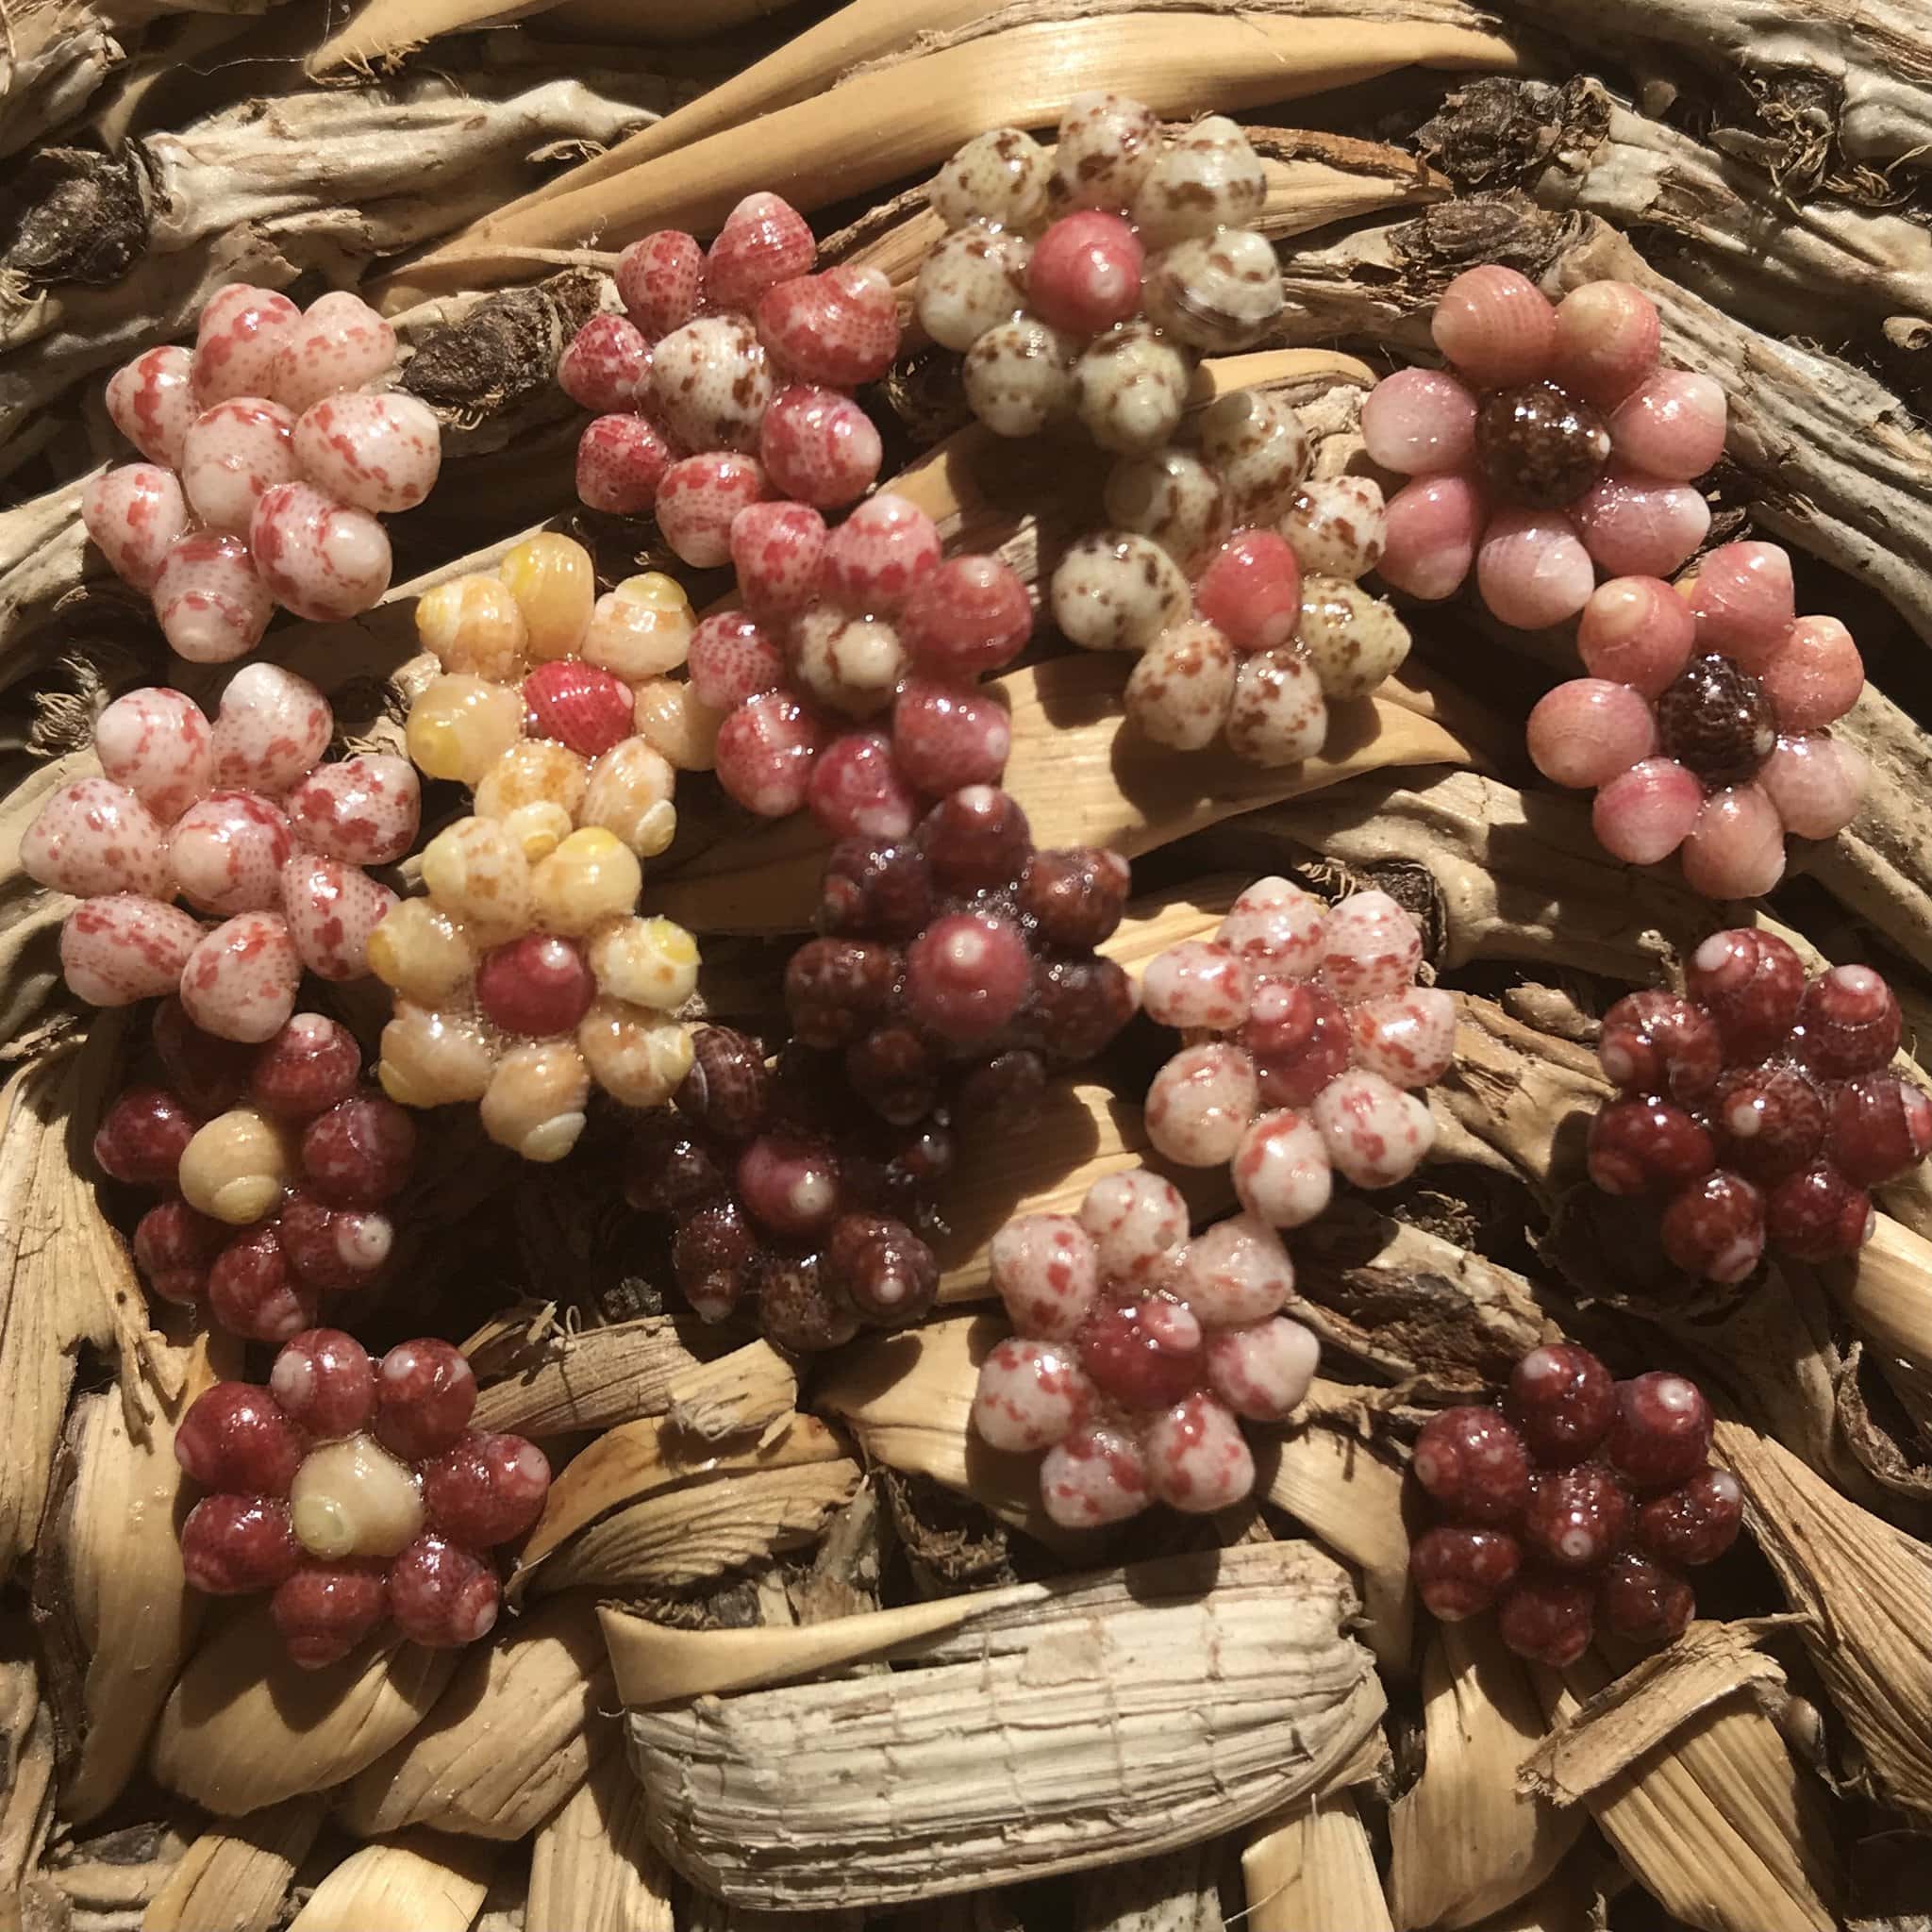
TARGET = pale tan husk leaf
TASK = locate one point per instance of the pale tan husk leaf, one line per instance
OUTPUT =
(592, 1866)
(590, 1379)
(235, 1879)
(1314, 1867)
(427, 1883)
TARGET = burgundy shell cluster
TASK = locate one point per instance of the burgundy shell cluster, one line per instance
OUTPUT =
(1758, 1105)
(1574, 1506)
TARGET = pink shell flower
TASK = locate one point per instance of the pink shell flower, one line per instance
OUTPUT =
(726, 381)
(1554, 444)
(1139, 1351)
(1703, 725)
(355, 1494)
(1309, 1041)
(242, 818)
(270, 451)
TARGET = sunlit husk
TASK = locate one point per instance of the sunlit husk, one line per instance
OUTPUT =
(418, 1879)
(1314, 1867)
(235, 1879)
(592, 1866)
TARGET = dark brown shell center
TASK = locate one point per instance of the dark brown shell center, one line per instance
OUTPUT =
(1540, 446)
(1717, 720)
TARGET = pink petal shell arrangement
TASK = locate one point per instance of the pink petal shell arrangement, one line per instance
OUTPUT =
(1137, 1352)
(1704, 725)
(242, 818)
(1554, 444)
(1309, 1043)
(270, 454)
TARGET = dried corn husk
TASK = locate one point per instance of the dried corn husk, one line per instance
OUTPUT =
(1350, 1495)
(245, 1727)
(749, 1388)
(592, 1868)
(908, 1400)
(1464, 1839)
(427, 1883)
(1718, 1822)
(565, 1381)
(112, 1583)
(647, 1507)
(1862, 1587)
(1056, 1727)
(235, 1880)
(1314, 1868)
(1082, 1133)
(1883, 1292)
(26, 1758)
(1179, 1892)
(509, 1741)
(904, 118)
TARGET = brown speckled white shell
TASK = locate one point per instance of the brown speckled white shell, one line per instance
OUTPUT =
(1216, 293)
(1117, 590)
(1179, 691)
(1207, 179)
(1019, 376)
(710, 382)
(1278, 716)
(1130, 387)
(1352, 640)
(1336, 526)
(973, 277)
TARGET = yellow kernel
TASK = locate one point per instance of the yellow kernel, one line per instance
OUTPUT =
(554, 585)
(476, 870)
(419, 951)
(462, 725)
(431, 1059)
(670, 717)
(473, 625)
(630, 793)
(590, 878)
(353, 1498)
(235, 1168)
(538, 828)
(645, 962)
(532, 770)
(536, 1101)
(641, 629)
(638, 1057)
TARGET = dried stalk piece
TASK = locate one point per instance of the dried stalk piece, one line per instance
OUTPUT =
(26, 1754)
(109, 1584)
(590, 1379)
(1465, 1841)
(1314, 1867)
(908, 1400)
(513, 1737)
(1183, 61)
(592, 1867)
(237, 1879)
(1024, 1760)
(245, 1727)
(751, 1388)
(427, 1883)
(1718, 1823)
(1350, 1496)
(1861, 1586)
(646, 1508)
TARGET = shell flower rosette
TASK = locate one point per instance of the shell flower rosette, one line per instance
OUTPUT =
(355, 1496)
(1081, 283)
(1574, 1506)
(1309, 1043)
(1705, 722)
(1233, 575)
(243, 820)
(727, 380)
(1759, 1106)
(271, 456)
(527, 975)
(1554, 444)
(1137, 1352)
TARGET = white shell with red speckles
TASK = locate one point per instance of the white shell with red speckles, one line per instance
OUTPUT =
(157, 743)
(710, 382)
(1097, 1475)
(1197, 983)
(240, 981)
(231, 454)
(1200, 1103)
(1137, 1221)
(152, 402)
(1047, 1272)
(1198, 1457)
(210, 601)
(323, 560)
(364, 810)
(134, 515)
(373, 452)
(339, 343)
(332, 908)
(1408, 1038)
(273, 727)
(1030, 1395)
(241, 334)
(1276, 929)
(125, 947)
(93, 835)
(1234, 1271)
(1282, 1171)
(1371, 947)
(698, 499)
(228, 851)
(1374, 1133)
(1262, 1372)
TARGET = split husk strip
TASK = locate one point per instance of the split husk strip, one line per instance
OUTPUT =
(1862, 1587)
(1314, 1868)
(907, 1399)
(645, 1510)
(382, 34)
(1350, 1496)
(427, 1883)
(111, 1585)
(245, 1727)
(509, 1741)
(235, 1879)
(749, 1388)
(1718, 1823)
(590, 1379)
(592, 1867)
(1223, 1681)
(904, 119)
(1464, 1841)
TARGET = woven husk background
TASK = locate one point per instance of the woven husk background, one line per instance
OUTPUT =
(760, 1552)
